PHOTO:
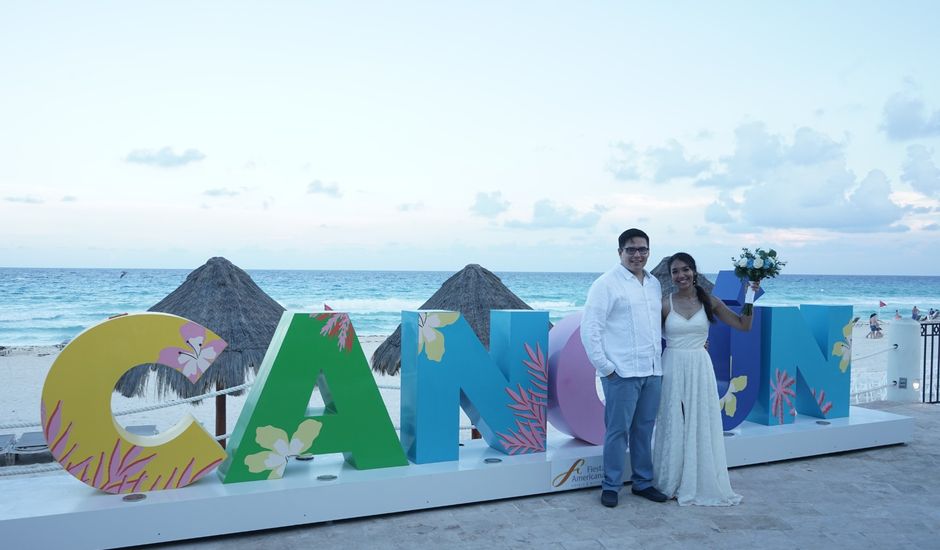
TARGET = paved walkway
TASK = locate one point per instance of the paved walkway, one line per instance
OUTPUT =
(880, 498)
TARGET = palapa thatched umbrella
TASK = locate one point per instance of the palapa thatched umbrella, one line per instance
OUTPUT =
(661, 272)
(224, 299)
(473, 291)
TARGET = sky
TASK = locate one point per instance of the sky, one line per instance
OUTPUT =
(523, 136)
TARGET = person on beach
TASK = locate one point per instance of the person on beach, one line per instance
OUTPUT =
(874, 327)
(689, 453)
(622, 334)
(915, 314)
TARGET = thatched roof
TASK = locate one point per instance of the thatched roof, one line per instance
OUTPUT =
(473, 291)
(661, 272)
(224, 299)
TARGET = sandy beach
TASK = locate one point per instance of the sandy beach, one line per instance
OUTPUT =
(23, 370)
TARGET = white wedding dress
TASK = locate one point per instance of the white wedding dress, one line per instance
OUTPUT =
(689, 459)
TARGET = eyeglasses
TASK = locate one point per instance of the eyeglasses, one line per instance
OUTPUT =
(631, 250)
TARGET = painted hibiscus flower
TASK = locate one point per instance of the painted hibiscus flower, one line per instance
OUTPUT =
(194, 359)
(843, 348)
(429, 338)
(280, 448)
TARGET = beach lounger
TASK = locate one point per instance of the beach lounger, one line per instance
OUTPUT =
(144, 429)
(31, 447)
(6, 449)
(30, 442)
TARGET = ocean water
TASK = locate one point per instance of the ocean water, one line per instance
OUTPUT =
(51, 306)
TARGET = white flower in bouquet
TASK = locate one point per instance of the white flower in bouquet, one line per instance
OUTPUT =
(755, 266)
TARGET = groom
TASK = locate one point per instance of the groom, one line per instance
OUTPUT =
(622, 334)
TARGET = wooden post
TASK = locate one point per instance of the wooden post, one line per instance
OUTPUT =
(220, 415)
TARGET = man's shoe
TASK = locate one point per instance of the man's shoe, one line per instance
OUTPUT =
(650, 493)
(609, 498)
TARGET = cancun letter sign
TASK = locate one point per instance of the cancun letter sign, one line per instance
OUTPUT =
(805, 364)
(736, 355)
(444, 366)
(307, 350)
(76, 405)
(574, 407)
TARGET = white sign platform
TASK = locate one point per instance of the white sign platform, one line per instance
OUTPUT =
(58, 510)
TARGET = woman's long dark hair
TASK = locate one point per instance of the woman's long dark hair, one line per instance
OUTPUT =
(699, 291)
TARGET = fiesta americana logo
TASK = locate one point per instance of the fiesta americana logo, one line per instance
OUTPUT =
(563, 477)
(581, 473)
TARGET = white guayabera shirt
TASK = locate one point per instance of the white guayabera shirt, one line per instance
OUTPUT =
(622, 324)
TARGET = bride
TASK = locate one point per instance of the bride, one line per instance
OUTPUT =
(689, 452)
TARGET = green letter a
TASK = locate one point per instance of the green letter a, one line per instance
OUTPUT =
(311, 350)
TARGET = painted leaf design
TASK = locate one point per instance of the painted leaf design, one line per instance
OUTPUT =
(529, 406)
(824, 406)
(121, 467)
(52, 424)
(781, 393)
(339, 326)
(187, 473)
(537, 369)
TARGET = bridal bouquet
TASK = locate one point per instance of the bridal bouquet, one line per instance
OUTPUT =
(755, 266)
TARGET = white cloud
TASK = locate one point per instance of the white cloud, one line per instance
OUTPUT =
(802, 185)
(907, 117)
(24, 200)
(330, 190)
(221, 192)
(624, 162)
(872, 201)
(546, 215)
(812, 147)
(411, 206)
(165, 157)
(717, 212)
(920, 171)
(671, 162)
(704, 135)
(757, 151)
(822, 197)
(489, 205)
